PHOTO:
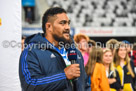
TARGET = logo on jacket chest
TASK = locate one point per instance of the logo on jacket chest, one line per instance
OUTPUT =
(53, 56)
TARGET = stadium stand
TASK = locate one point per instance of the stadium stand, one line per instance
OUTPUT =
(117, 16)
(98, 13)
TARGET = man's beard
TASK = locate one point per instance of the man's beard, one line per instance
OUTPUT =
(62, 40)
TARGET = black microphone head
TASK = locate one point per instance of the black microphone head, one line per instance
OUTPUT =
(72, 54)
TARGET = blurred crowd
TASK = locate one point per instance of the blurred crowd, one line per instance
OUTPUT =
(110, 67)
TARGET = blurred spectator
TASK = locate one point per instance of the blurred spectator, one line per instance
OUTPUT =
(91, 44)
(111, 72)
(96, 70)
(111, 44)
(82, 43)
(129, 48)
(134, 59)
(29, 7)
(22, 42)
(134, 54)
(125, 67)
(29, 15)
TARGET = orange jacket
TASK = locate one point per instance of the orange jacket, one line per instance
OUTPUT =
(99, 81)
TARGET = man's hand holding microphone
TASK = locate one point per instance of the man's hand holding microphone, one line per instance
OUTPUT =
(72, 71)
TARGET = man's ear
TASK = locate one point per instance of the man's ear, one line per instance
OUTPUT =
(48, 26)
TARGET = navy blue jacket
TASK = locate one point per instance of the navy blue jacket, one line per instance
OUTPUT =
(41, 68)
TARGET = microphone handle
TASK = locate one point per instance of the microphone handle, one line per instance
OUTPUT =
(74, 80)
(73, 61)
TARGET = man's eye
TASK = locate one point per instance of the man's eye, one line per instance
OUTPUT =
(62, 23)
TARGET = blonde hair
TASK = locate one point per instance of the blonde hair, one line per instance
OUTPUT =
(127, 59)
(95, 56)
(111, 67)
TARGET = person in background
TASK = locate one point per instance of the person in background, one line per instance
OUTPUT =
(134, 55)
(29, 15)
(42, 65)
(82, 44)
(125, 67)
(22, 42)
(111, 72)
(111, 44)
(134, 59)
(129, 48)
(91, 44)
(29, 8)
(96, 70)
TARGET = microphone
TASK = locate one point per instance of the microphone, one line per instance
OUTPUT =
(72, 55)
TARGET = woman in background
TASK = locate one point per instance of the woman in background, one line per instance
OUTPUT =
(125, 67)
(82, 44)
(96, 70)
(91, 45)
(111, 72)
(111, 44)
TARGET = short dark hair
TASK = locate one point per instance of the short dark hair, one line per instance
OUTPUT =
(51, 12)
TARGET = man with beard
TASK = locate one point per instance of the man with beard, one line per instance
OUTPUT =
(44, 65)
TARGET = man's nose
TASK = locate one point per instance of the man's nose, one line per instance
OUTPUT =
(67, 27)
